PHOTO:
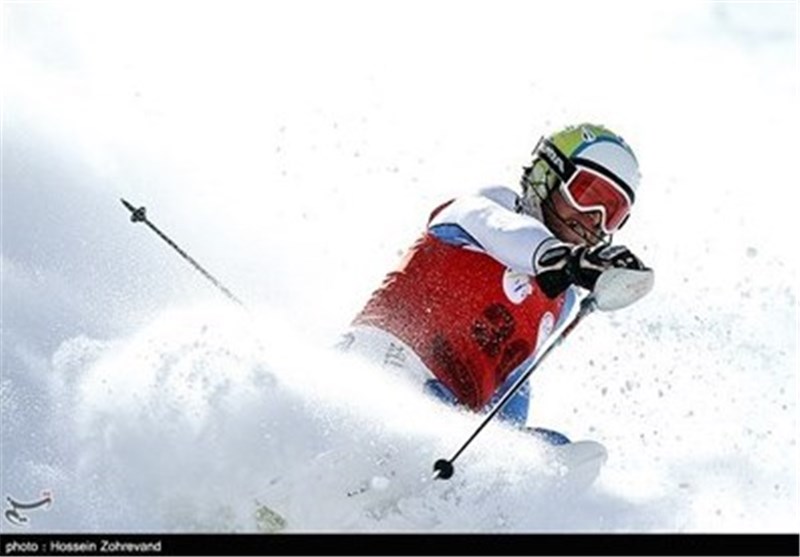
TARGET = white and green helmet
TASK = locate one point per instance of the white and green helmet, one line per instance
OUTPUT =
(588, 145)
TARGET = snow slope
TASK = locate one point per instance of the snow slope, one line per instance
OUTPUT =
(295, 150)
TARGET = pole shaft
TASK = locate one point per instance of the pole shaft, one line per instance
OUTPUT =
(139, 216)
(588, 305)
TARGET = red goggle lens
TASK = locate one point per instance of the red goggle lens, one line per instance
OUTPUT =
(590, 191)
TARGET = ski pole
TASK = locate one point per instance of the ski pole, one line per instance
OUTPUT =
(139, 215)
(443, 468)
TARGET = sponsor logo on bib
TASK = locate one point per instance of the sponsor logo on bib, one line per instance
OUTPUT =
(545, 328)
(517, 286)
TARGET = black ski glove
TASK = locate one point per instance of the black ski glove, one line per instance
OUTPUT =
(566, 264)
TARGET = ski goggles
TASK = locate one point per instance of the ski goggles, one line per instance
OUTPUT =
(587, 186)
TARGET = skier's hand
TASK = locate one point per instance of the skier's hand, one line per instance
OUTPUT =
(566, 264)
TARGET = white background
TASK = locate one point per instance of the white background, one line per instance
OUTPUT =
(295, 149)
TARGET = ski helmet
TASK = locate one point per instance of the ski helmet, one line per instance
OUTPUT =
(588, 151)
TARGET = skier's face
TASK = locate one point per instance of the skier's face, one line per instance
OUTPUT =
(569, 224)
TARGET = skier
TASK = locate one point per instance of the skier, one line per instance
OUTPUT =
(495, 273)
